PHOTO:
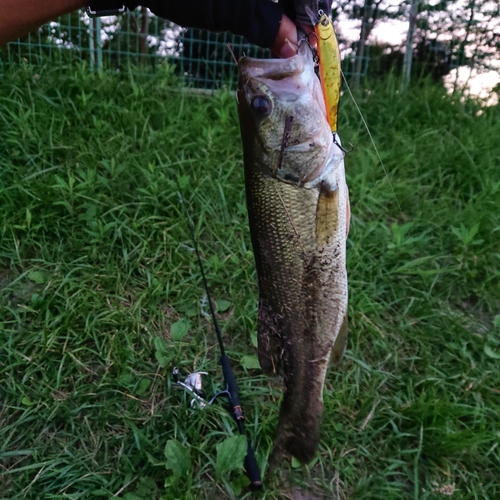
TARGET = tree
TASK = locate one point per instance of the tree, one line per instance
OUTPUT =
(442, 35)
(475, 33)
(369, 13)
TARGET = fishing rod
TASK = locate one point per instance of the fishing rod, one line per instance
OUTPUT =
(193, 381)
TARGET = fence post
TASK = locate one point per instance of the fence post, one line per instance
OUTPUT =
(98, 26)
(91, 43)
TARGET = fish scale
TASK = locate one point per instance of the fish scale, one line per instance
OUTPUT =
(280, 249)
(297, 198)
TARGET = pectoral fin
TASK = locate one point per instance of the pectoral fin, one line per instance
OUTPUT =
(327, 215)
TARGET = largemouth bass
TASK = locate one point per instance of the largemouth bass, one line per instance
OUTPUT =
(298, 212)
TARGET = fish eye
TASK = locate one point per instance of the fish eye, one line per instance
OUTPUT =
(262, 105)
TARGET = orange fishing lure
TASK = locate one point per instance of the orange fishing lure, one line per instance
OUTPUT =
(329, 68)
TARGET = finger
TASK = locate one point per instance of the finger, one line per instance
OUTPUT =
(286, 43)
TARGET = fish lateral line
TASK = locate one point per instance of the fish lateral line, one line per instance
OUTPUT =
(290, 218)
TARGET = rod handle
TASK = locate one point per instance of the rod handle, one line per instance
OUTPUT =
(252, 469)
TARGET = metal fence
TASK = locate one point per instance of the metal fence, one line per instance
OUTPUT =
(138, 39)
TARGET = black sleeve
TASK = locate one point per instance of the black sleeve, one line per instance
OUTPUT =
(257, 20)
(306, 11)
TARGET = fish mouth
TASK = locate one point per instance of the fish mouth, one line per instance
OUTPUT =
(271, 91)
(277, 69)
(278, 76)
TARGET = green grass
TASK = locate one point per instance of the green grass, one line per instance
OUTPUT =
(96, 264)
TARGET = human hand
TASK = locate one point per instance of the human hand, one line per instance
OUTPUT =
(286, 42)
(260, 21)
(305, 14)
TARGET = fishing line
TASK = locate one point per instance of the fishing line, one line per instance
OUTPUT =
(372, 140)
(251, 468)
(383, 166)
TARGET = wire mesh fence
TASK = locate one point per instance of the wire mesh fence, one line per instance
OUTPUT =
(141, 40)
